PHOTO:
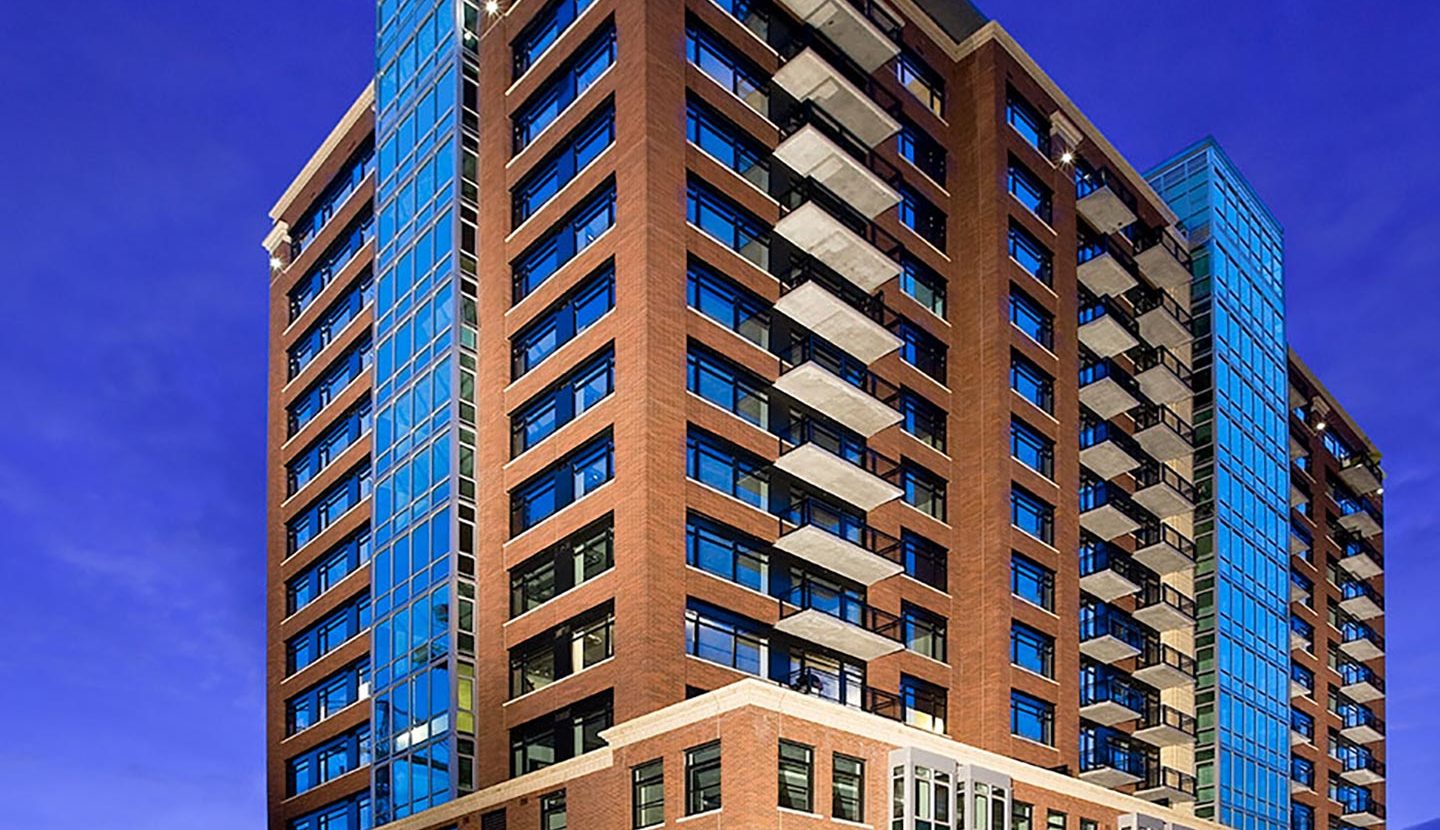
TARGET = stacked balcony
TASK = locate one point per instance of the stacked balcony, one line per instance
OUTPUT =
(867, 37)
(1360, 725)
(1164, 608)
(817, 613)
(1164, 258)
(1162, 376)
(1361, 601)
(1107, 511)
(1104, 268)
(1300, 540)
(1106, 389)
(820, 300)
(826, 457)
(1161, 320)
(1164, 667)
(1108, 573)
(1300, 587)
(1102, 200)
(1302, 681)
(1163, 491)
(1358, 516)
(1302, 635)
(1358, 558)
(1163, 434)
(819, 681)
(1168, 785)
(823, 377)
(1109, 698)
(1360, 642)
(1107, 451)
(1166, 726)
(1362, 811)
(835, 540)
(1108, 635)
(1361, 474)
(810, 77)
(822, 225)
(1105, 328)
(1163, 549)
(1107, 758)
(1361, 683)
(1359, 766)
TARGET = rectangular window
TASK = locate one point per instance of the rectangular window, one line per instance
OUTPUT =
(573, 234)
(1029, 254)
(542, 32)
(326, 571)
(330, 264)
(337, 376)
(352, 813)
(336, 439)
(552, 811)
(571, 315)
(1026, 121)
(328, 634)
(847, 788)
(335, 320)
(320, 514)
(1055, 820)
(922, 419)
(922, 82)
(924, 560)
(1033, 384)
(563, 483)
(924, 490)
(728, 304)
(569, 398)
(1032, 515)
(729, 554)
(797, 776)
(349, 685)
(1022, 816)
(1029, 317)
(647, 794)
(702, 778)
(1032, 582)
(728, 144)
(750, 14)
(923, 704)
(1031, 448)
(336, 193)
(924, 632)
(1029, 191)
(724, 638)
(561, 735)
(732, 471)
(549, 102)
(562, 165)
(715, 58)
(729, 387)
(327, 761)
(924, 285)
(729, 224)
(568, 648)
(922, 350)
(1032, 650)
(919, 215)
(1032, 718)
(916, 146)
(577, 559)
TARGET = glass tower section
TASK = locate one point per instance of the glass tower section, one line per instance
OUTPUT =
(1242, 567)
(422, 577)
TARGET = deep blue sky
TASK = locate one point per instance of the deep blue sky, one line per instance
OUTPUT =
(142, 151)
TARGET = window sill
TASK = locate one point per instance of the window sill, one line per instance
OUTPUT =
(564, 593)
(558, 682)
(717, 811)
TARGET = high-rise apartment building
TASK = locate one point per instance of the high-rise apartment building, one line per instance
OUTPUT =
(747, 414)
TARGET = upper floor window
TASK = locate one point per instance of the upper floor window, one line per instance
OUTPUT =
(922, 350)
(328, 633)
(351, 813)
(924, 631)
(349, 685)
(325, 510)
(346, 182)
(726, 552)
(924, 285)
(751, 15)
(328, 761)
(924, 490)
(717, 59)
(571, 478)
(564, 242)
(725, 638)
(726, 143)
(554, 814)
(917, 147)
(922, 82)
(571, 81)
(329, 265)
(567, 399)
(573, 314)
(563, 164)
(729, 387)
(702, 778)
(577, 559)
(561, 735)
(1031, 126)
(647, 794)
(924, 560)
(335, 320)
(919, 215)
(327, 571)
(728, 304)
(1033, 384)
(572, 647)
(1029, 191)
(847, 788)
(730, 470)
(1031, 448)
(1032, 650)
(542, 32)
(1029, 254)
(922, 704)
(1032, 718)
(730, 225)
(922, 419)
(1032, 515)
(337, 438)
(1031, 318)
(337, 376)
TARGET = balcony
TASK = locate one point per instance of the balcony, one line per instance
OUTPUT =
(1101, 199)
(1300, 587)
(1108, 573)
(1162, 376)
(1297, 496)
(1163, 549)
(1358, 558)
(1164, 667)
(1164, 259)
(1361, 601)
(820, 615)
(1363, 812)
(1302, 681)
(1161, 319)
(824, 378)
(1164, 608)
(1109, 700)
(1107, 634)
(1106, 389)
(1300, 540)
(1302, 635)
(1105, 269)
(1169, 785)
(839, 542)
(1357, 515)
(1360, 642)
(1163, 491)
(809, 77)
(1105, 328)
(1107, 512)
(1361, 474)
(823, 682)
(1360, 683)
(818, 223)
(1163, 434)
(1106, 451)
(1302, 776)
(1360, 767)
(1360, 724)
(828, 459)
(821, 148)
(821, 301)
(1107, 759)
(867, 37)
(1166, 726)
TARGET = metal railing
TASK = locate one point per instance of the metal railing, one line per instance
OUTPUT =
(1158, 714)
(1156, 653)
(1145, 299)
(1149, 475)
(1149, 357)
(1094, 432)
(809, 595)
(1095, 494)
(1094, 369)
(813, 348)
(808, 511)
(1095, 689)
(1089, 180)
(1157, 533)
(1157, 415)
(840, 443)
(1098, 621)
(1173, 246)
(1154, 592)
(1094, 308)
(1097, 557)
(1352, 589)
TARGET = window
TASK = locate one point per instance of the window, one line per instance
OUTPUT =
(797, 776)
(562, 651)
(916, 146)
(1032, 718)
(724, 638)
(924, 631)
(350, 684)
(919, 215)
(1029, 191)
(923, 703)
(1031, 126)
(1028, 316)
(1032, 650)
(647, 794)
(327, 761)
(571, 81)
(326, 635)
(924, 285)
(702, 778)
(847, 788)
(924, 560)
(922, 82)
(337, 438)
(728, 386)
(573, 314)
(922, 350)
(560, 735)
(560, 485)
(328, 508)
(1033, 384)
(327, 571)
(552, 811)
(750, 14)
(726, 468)
(563, 164)
(569, 398)
(1022, 815)
(352, 813)
(1032, 582)
(330, 264)
(335, 320)
(1089, 824)
(564, 242)
(1055, 820)
(922, 419)
(574, 560)
(727, 144)
(1031, 448)
(729, 554)
(933, 799)
(336, 193)
(337, 376)
(924, 490)
(729, 224)
(1031, 515)
(729, 305)
(1029, 254)
(712, 56)
(544, 30)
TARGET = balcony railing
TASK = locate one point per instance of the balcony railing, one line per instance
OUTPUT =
(1354, 715)
(1156, 534)
(808, 190)
(846, 691)
(1106, 328)
(814, 349)
(806, 269)
(841, 444)
(1158, 714)
(1096, 494)
(1096, 689)
(1098, 621)
(1156, 653)
(1155, 593)
(809, 595)
(1166, 242)
(1355, 632)
(1095, 370)
(1357, 556)
(808, 511)
(809, 114)
(1150, 475)
(1160, 357)
(1359, 590)
(1355, 674)
(1172, 782)
(1099, 752)
(1099, 557)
